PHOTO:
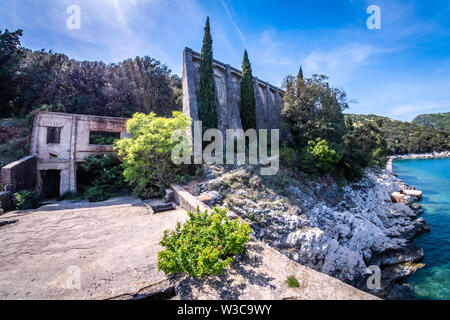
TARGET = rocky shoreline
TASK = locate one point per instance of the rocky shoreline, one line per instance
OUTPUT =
(433, 155)
(337, 230)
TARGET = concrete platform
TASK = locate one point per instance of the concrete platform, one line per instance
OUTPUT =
(83, 250)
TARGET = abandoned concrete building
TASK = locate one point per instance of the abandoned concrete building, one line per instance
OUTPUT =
(59, 143)
(269, 99)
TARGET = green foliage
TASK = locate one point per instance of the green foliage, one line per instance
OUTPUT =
(102, 178)
(312, 109)
(404, 137)
(26, 199)
(439, 121)
(204, 245)
(318, 157)
(30, 79)
(313, 114)
(70, 195)
(147, 153)
(292, 282)
(288, 156)
(103, 138)
(207, 111)
(365, 145)
(247, 107)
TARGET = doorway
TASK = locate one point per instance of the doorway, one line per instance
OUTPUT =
(51, 180)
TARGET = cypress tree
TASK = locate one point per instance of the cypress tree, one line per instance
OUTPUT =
(207, 111)
(300, 82)
(247, 107)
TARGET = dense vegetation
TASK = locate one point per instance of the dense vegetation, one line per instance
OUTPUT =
(404, 137)
(247, 107)
(146, 154)
(439, 121)
(204, 245)
(26, 199)
(319, 140)
(101, 178)
(207, 111)
(29, 80)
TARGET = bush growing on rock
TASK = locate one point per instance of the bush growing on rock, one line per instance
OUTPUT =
(204, 245)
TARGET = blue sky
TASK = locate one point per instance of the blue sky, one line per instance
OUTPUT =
(399, 71)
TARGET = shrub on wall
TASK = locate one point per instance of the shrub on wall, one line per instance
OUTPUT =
(204, 245)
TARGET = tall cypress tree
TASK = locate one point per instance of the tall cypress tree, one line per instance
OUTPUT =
(207, 111)
(300, 82)
(247, 107)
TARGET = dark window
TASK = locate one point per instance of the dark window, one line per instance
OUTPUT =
(103, 138)
(53, 135)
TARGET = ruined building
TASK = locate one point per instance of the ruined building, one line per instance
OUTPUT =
(269, 99)
(59, 143)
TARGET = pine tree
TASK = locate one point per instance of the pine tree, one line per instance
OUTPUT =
(207, 111)
(247, 107)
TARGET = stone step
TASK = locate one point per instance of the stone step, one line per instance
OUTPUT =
(158, 205)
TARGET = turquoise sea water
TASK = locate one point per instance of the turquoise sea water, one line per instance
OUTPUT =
(433, 178)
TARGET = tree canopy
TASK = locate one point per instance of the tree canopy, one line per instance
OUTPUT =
(29, 80)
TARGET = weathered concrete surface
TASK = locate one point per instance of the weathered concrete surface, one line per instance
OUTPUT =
(261, 273)
(114, 244)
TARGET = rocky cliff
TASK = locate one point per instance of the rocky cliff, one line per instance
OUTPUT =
(337, 230)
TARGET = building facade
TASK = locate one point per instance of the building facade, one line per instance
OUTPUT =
(60, 142)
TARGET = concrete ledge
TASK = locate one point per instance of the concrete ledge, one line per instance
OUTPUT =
(261, 274)
(20, 175)
(186, 200)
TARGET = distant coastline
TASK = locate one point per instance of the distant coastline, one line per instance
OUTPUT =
(431, 155)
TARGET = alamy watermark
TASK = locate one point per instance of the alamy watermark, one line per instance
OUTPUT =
(374, 21)
(73, 22)
(236, 144)
(73, 282)
(374, 280)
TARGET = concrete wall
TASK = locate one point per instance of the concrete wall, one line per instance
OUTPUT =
(74, 144)
(19, 175)
(228, 83)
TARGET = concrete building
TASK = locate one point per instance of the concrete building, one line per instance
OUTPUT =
(60, 142)
(269, 99)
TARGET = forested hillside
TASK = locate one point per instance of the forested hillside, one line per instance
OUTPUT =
(52, 81)
(440, 121)
(405, 137)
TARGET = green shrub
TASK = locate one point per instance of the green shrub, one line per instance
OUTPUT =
(318, 157)
(102, 178)
(146, 154)
(97, 194)
(26, 199)
(204, 245)
(292, 282)
(288, 157)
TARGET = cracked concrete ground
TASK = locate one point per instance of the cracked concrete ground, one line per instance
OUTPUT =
(114, 245)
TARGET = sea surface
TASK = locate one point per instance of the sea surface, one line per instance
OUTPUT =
(432, 176)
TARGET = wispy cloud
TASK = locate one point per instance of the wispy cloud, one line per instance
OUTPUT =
(233, 22)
